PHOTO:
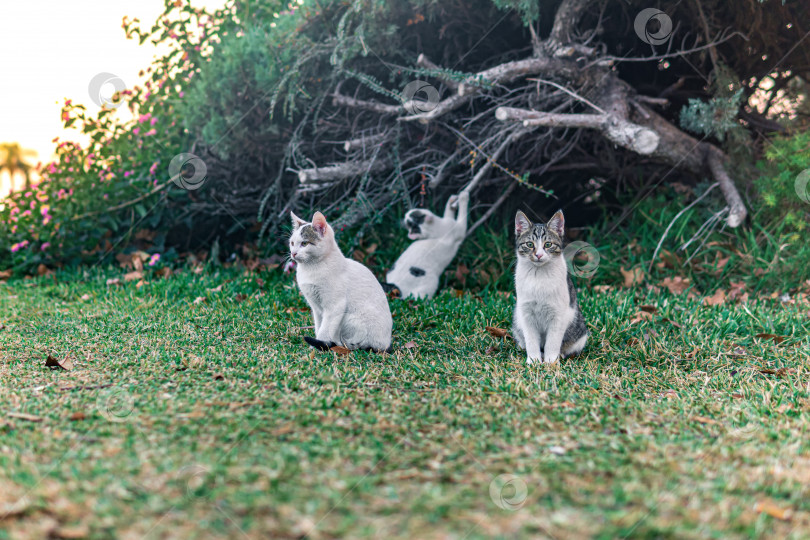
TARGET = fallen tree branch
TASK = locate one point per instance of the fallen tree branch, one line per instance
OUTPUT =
(340, 171)
(364, 142)
(737, 212)
(424, 62)
(625, 134)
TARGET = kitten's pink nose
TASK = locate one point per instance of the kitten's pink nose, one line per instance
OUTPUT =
(294, 253)
(538, 255)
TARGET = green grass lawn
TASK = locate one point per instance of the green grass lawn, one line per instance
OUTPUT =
(185, 419)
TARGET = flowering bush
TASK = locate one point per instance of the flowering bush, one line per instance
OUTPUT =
(98, 198)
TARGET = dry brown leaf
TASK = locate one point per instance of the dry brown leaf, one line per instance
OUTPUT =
(704, 420)
(199, 300)
(461, 273)
(773, 337)
(339, 349)
(55, 364)
(25, 416)
(602, 288)
(778, 372)
(717, 299)
(78, 415)
(770, 508)
(85, 297)
(70, 533)
(134, 275)
(409, 345)
(5, 274)
(673, 323)
(114, 281)
(641, 316)
(676, 285)
(648, 309)
(216, 289)
(498, 333)
(239, 297)
(163, 272)
(634, 276)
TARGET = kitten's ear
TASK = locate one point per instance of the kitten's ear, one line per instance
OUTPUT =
(319, 223)
(296, 221)
(522, 223)
(557, 223)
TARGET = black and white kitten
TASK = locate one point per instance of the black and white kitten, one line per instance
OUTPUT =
(348, 304)
(547, 320)
(436, 240)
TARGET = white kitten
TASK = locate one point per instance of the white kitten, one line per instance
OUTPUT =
(418, 270)
(547, 318)
(347, 302)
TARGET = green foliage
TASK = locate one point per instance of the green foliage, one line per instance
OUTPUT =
(713, 118)
(784, 195)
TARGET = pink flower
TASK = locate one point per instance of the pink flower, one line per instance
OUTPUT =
(127, 174)
(45, 246)
(136, 131)
(153, 121)
(150, 132)
(18, 246)
(44, 210)
(144, 117)
(153, 168)
(154, 259)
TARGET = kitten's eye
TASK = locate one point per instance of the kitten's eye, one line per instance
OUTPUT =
(530, 245)
(304, 243)
(547, 245)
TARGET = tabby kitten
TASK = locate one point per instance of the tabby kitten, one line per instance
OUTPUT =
(547, 320)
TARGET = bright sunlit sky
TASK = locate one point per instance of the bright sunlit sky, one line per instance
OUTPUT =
(51, 49)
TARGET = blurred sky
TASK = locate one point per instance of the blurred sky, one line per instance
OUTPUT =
(51, 49)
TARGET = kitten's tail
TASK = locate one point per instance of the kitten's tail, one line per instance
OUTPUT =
(326, 345)
(391, 289)
(318, 344)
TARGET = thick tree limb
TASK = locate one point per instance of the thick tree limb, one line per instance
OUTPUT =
(331, 173)
(500, 74)
(364, 142)
(737, 212)
(565, 21)
(625, 134)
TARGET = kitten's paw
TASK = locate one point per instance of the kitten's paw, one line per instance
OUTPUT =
(530, 360)
(551, 359)
(463, 196)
